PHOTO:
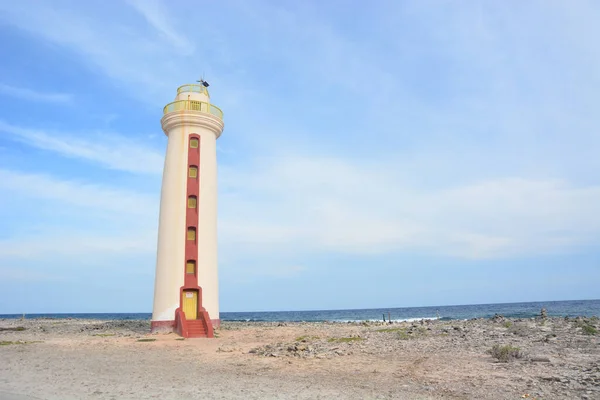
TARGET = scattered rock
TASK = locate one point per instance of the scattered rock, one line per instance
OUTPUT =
(497, 318)
(550, 378)
(564, 362)
(227, 349)
(539, 359)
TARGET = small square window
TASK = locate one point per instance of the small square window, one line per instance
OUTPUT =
(193, 172)
(190, 267)
(192, 202)
(194, 143)
(191, 234)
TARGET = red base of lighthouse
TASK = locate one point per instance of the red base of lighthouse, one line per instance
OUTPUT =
(171, 326)
(162, 326)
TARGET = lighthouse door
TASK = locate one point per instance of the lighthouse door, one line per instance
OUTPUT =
(190, 304)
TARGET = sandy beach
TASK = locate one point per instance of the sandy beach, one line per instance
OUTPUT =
(88, 359)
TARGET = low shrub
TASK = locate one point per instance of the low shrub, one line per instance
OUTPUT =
(389, 330)
(589, 330)
(586, 327)
(8, 343)
(306, 338)
(505, 353)
(403, 335)
(344, 339)
(15, 329)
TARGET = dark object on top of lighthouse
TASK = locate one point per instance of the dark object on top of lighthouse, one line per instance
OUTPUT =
(203, 82)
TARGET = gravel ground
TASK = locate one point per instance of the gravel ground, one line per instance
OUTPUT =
(541, 358)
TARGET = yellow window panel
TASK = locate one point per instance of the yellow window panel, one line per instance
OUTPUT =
(191, 234)
(190, 267)
(194, 143)
(192, 202)
(193, 172)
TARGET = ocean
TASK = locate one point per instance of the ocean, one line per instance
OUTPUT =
(573, 308)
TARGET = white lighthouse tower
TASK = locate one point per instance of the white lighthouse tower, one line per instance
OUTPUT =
(186, 292)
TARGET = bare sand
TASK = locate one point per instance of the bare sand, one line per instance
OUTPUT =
(87, 359)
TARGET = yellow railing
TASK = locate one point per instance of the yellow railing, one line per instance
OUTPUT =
(191, 87)
(193, 105)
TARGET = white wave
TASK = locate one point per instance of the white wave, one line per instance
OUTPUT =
(386, 320)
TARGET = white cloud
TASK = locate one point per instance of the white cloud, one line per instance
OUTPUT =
(303, 205)
(79, 246)
(490, 93)
(121, 52)
(323, 205)
(109, 150)
(155, 12)
(33, 95)
(69, 193)
(73, 220)
(151, 66)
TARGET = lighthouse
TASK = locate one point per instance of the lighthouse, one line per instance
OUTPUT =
(186, 289)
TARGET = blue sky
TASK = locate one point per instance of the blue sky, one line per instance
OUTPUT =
(407, 153)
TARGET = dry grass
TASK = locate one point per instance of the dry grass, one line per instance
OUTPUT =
(344, 339)
(506, 353)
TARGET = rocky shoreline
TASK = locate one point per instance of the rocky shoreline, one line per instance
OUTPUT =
(497, 358)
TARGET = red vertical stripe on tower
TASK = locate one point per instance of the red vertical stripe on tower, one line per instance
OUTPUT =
(192, 217)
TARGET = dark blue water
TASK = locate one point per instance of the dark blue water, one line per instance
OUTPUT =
(576, 308)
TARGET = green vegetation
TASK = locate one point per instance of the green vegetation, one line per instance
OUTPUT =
(412, 333)
(180, 338)
(344, 339)
(505, 353)
(306, 338)
(587, 327)
(8, 343)
(104, 334)
(146, 340)
(403, 335)
(390, 329)
(507, 324)
(589, 330)
(519, 329)
(15, 329)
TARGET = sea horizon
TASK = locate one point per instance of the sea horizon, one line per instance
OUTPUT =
(556, 308)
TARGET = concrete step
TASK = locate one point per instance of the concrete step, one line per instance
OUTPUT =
(195, 328)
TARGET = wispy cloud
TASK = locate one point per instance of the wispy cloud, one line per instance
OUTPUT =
(157, 15)
(108, 150)
(74, 219)
(328, 205)
(128, 55)
(446, 130)
(69, 193)
(34, 95)
(75, 244)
